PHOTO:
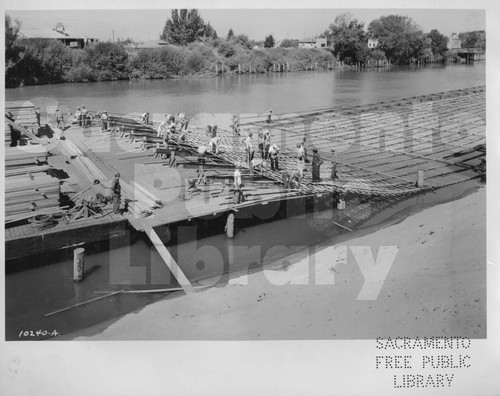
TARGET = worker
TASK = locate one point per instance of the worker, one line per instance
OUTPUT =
(235, 126)
(304, 145)
(238, 196)
(104, 120)
(202, 150)
(269, 116)
(291, 179)
(171, 127)
(214, 144)
(84, 117)
(78, 116)
(316, 163)
(37, 115)
(145, 118)
(116, 188)
(334, 165)
(182, 121)
(267, 143)
(300, 160)
(237, 176)
(273, 155)
(59, 119)
(260, 141)
(249, 147)
(161, 128)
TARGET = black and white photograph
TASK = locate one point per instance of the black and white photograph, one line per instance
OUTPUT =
(253, 186)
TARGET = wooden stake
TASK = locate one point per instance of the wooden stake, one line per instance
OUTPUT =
(78, 264)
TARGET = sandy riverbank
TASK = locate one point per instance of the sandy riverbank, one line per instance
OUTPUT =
(430, 280)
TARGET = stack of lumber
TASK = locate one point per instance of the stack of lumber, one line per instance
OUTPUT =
(25, 155)
(28, 195)
(132, 124)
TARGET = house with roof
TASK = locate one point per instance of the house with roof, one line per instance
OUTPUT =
(58, 33)
(316, 42)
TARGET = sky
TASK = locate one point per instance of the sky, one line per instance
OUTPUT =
(147, 24)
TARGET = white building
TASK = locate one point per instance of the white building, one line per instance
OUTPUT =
(372, 43)
(316, 42)
(454, 42)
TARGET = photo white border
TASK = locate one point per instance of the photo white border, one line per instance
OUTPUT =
(254, 367)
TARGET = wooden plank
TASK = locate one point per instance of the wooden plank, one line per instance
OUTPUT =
(169, 261)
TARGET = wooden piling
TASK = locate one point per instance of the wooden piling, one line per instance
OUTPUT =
(230, 226)
(420, 178)
(239, 68)
(78, 264)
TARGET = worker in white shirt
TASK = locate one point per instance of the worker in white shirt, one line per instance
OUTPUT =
(273, 155)
(238, 193)
(214, 144)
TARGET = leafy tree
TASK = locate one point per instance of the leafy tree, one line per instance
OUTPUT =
(439, 43)
(348, 37)
(475, 39)
(109, 61)
(230, 34)
(244, 41)
(12, 49)
(44, 61)
(398, 36)
(184, 27)
(289, 43)
(269, 41)
(210, 31)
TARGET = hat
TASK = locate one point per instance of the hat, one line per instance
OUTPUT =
(315, 150)
(117, 174)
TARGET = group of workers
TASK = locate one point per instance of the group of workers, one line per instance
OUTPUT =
(270, 151)
(172, 124)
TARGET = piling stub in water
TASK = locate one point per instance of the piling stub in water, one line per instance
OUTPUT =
(420, 178)
(78, 264)
(230, 226)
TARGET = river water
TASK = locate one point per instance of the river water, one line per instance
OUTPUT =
(256, 93)
(34, 293)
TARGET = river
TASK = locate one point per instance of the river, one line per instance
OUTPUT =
(256, 93)
(34, 293)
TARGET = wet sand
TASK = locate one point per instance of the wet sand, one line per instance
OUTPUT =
(435, 286)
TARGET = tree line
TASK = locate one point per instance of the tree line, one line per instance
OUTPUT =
(194, 48)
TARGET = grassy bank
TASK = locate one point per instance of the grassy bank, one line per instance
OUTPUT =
(44, 61)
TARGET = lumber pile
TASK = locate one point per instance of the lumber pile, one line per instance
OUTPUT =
(25, 155)
(30, 194)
